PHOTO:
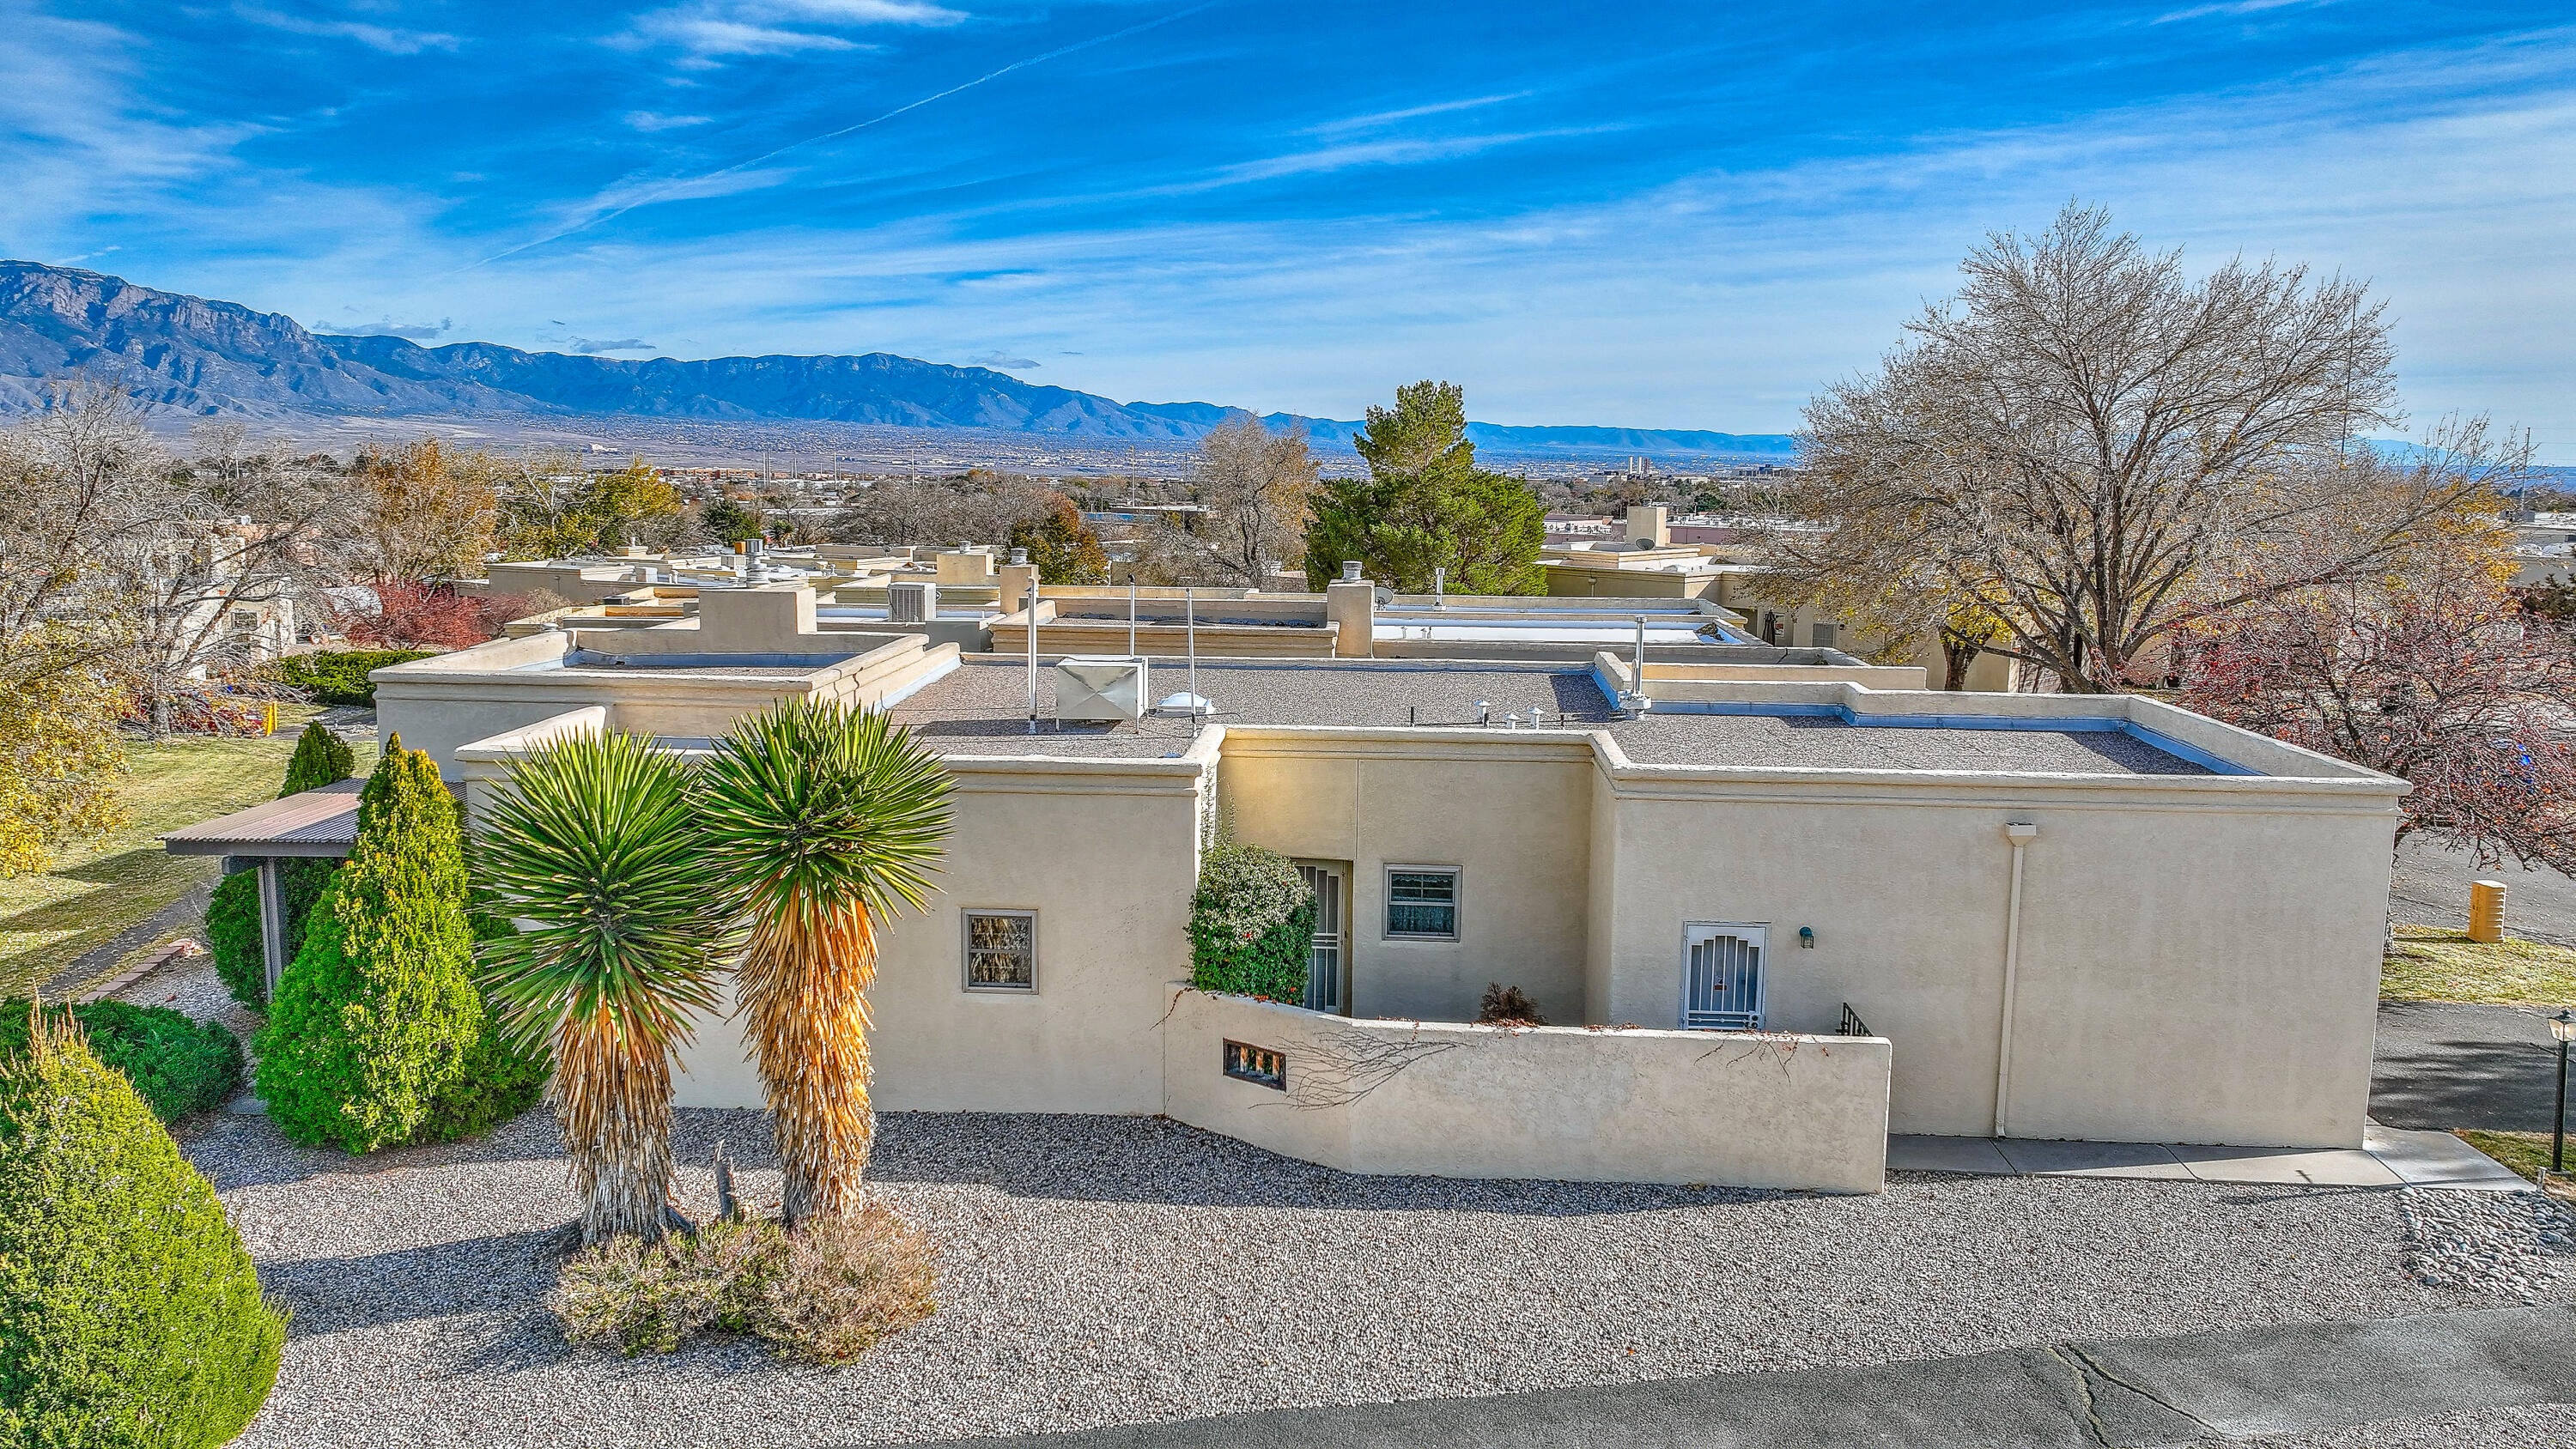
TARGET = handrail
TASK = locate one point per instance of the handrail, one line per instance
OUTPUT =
(1852, 1025)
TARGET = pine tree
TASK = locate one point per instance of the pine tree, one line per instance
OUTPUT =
(378, 1014)
(1426, 506)
(129, 1314)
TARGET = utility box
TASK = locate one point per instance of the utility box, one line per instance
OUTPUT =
(1100, 687)
(915, 602)
(2486, 910)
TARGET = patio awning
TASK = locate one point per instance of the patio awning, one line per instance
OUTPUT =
(318, 822)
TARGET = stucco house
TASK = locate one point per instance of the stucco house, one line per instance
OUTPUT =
(1773, 911)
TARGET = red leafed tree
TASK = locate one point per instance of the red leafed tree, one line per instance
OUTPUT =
(412, 615)
(2440, 679)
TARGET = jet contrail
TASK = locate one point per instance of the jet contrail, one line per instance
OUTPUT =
(667, 189)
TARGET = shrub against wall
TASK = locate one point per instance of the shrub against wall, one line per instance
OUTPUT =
(129, 1314)
(1252, 923)
(177, 1065)
(338, 676)
(378, 1013)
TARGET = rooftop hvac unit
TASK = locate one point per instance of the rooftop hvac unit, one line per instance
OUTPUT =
(1099, 687)
(912, 603)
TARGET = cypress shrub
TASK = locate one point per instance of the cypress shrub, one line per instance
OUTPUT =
(178, 1066)
(129, 1314)
(378, 1013)
(1252, 923)
(321, 758)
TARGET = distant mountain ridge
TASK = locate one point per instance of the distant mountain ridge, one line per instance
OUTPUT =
(211, 358)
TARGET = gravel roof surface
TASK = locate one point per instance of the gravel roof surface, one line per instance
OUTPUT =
(1815, 743)
(982, 709)
(1098, 1270)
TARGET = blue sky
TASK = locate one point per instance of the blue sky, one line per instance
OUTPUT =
(1682, 216)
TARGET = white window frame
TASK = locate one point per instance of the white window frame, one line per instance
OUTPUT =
(966, 951)
(1457, 903)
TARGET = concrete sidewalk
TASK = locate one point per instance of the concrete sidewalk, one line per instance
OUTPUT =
(2388, 1157)
(2290, 1379)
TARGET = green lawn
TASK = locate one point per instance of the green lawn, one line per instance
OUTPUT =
(2524, 1152)
(2432, 964)
(101, 888)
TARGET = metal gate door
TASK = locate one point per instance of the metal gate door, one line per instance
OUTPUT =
(1324, 953)
(1722, 977)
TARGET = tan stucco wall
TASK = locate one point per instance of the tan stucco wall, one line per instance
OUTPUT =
(2196, 964)
(1464, 1101)
(1510, 813)
(1113, 913)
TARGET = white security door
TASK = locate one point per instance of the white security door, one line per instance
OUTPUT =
(1722, 977)
(1324, 954)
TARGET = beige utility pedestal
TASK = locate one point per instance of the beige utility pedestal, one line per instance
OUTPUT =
(2486, 910)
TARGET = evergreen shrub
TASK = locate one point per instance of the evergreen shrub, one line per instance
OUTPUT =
(338, 676)
(378, 1014)
(129, 1314)
(1252, 923)
(179, 1066)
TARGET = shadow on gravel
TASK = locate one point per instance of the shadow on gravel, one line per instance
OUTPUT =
(238, 1150)
(1154, 1160)
(499, 1274)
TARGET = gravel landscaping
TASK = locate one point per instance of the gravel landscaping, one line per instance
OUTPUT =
(1098, 1270)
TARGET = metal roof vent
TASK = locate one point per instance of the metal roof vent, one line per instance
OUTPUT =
(911, 602)
(1100, 687)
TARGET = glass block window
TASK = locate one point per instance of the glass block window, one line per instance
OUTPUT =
(1257, 1064)
(1422, 901)
(1001, 950)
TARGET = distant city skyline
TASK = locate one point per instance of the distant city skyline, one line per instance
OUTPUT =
(1641, 216)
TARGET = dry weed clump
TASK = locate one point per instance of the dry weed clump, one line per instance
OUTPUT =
(825, 1292)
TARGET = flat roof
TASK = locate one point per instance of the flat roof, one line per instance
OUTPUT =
(981, 708)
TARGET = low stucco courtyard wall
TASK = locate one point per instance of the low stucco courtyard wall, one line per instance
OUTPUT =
(1455, 1100)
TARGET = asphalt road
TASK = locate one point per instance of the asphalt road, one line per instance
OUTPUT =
(2431, 888)
(2290, 1379)
(2440, 1065)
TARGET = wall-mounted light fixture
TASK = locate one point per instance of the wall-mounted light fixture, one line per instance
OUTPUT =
(1807, 938)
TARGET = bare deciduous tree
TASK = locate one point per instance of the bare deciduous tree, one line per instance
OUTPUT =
(1255, 484)
(2092, 448)
(117, 553)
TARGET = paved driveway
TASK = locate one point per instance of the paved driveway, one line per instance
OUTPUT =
(2441, 1065)
(2432, 888)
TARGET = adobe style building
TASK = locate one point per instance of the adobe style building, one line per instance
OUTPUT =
(1773, 910)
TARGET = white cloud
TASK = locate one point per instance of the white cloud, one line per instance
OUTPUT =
(416, 331)
(387, 39)
(710, 31)
(649, 121)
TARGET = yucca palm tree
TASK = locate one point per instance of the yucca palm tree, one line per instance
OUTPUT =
(820, 820)
(590, 850)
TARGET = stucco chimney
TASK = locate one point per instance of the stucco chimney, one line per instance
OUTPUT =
(1646, 526)
(1352, 604)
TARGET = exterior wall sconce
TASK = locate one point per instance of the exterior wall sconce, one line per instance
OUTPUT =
(1806, 938)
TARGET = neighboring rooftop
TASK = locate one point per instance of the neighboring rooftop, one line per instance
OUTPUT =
(982, 709)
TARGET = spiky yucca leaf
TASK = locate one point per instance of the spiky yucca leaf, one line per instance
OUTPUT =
(590, 850)
(819, 819)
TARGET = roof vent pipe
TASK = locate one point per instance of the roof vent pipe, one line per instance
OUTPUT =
(1190, 628)
(1032, 615)
(1439, 590)
(1131, 615)
(1350, 571)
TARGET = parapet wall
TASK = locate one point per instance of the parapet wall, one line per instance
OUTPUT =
(1454, 1100)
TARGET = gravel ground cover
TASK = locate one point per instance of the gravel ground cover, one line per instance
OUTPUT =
(1100, 1270)
(2544, 1426)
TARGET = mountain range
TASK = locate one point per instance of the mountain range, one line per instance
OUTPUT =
(203, 357)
